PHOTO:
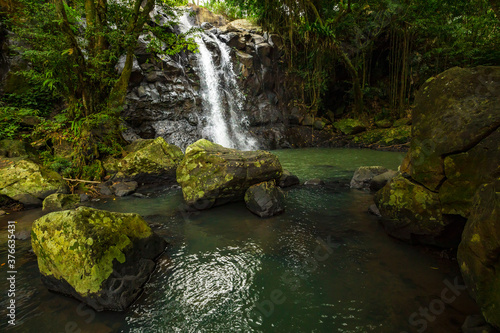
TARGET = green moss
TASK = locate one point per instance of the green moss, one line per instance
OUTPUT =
(385, 136)
(80, 246)
(59, 201)
(151, 157)
(350, 126)
(24, 176)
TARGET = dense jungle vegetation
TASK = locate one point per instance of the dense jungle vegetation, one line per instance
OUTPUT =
(362, 58)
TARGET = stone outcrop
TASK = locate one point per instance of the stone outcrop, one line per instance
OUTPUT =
(265, 199)
(212, 175)
(164, 97)
(478, 253)
(98, 257)
(25, 181)
(454, 150)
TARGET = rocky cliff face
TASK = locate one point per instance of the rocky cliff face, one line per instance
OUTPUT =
(165, 97)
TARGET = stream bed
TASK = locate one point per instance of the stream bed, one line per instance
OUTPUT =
(325, 265)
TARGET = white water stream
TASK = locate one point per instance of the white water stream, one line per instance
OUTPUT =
(225, 123)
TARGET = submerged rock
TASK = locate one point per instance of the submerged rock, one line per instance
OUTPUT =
(213, 175)
(149, 161)
(59, 201)
(98, 257)
(265, 199)
(28, 183)
(288, 179)
(314, 182)
(363, 176)
(478, 253)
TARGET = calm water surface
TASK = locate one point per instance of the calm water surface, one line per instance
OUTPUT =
(325, 265)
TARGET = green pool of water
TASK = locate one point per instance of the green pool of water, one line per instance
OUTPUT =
(325, 265)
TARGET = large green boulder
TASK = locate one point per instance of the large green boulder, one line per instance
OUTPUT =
(413, 213)
(211, 174)
(148, 161)
(98, 257)
(466, 171)
(454, 150)
(29, 183)
(478, 253)
(454, 112)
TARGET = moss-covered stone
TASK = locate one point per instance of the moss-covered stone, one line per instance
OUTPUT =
(350, 126)
(385, 136)
(454, 150)
(148, 161)
(466, 171)
(478, 253)
(212, 175)
(60, 201)
(79, 251)
(384, 123)
(452, 113)
(27, 182)
(413, 212)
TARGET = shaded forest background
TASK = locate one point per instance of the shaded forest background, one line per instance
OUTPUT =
(362, 59)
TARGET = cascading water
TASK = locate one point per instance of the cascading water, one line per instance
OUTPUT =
(225, 126)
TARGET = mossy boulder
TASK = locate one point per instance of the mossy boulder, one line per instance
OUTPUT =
(29, 183)
(98, 257)
(385, 136)
(60, 201)
(453, 151)
(466, 171)
(265, 199)
(350, 126)
(149, 161)
(413, 213)
(211, 174)
(478, 253)
(454, 111)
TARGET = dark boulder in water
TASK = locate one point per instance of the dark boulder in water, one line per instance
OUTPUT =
(265, 199)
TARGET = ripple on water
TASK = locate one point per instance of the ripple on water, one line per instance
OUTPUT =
(202, 291)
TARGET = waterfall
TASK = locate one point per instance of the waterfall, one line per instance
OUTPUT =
(223, 125)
